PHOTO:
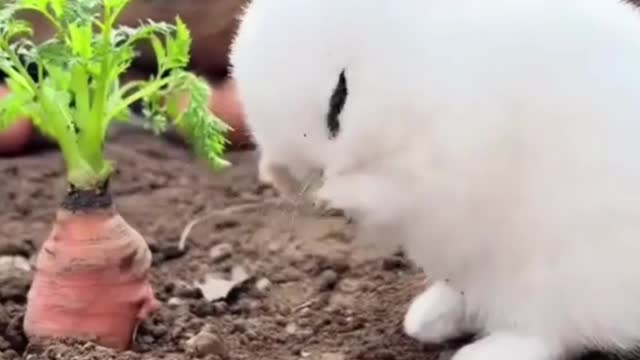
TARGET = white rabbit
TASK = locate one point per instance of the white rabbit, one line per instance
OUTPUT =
(497, 141)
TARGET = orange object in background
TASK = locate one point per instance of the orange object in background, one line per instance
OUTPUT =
(16, 138)
(226, 104)
(91, 276)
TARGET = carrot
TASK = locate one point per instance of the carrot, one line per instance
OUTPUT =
(225, 103)
(92, 275)
(15, 138)
(91, 279)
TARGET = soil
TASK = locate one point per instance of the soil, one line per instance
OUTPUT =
(312, 293)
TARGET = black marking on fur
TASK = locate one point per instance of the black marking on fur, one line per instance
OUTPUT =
(336, 104)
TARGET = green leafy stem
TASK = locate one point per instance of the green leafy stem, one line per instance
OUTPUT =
(76, 92)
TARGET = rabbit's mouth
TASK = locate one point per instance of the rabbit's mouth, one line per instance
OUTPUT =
(293, 187)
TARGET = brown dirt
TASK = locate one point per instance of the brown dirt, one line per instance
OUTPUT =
(354, 300)
(328, 298)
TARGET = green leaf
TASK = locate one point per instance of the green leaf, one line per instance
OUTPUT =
(7, 15)
(56, 104)
(14, 106)
(81, 36)
(158, 48)
(16, 28)
(142, 32)
(58, 6)
(54, 53)
(79, 86)
(14, 74)
(204, 130)
(59, 78)
(178, 47)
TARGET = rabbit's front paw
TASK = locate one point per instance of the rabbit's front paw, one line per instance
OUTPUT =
(508, 346)
(436, 315)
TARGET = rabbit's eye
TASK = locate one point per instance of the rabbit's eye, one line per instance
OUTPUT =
(336, 104)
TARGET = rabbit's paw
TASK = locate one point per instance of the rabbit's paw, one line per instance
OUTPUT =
(436, 315)
(508, 346)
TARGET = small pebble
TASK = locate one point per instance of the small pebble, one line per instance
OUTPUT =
(332, 356)
(158, 331)
(220, 252)
(350, 285)
(220, 307)
(291, 328)
(245, 306)
(296, 349)
(274, 247)
(175, 301)
(328, 280)
(251, 334)
(263, 284)
(239, 327)
(206, 343)
(304, 333)
(11, 354)
(280, 320)
(187, 292)
(239, 274)
(8, 263)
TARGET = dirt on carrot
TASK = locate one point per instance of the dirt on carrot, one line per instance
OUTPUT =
(311, 293)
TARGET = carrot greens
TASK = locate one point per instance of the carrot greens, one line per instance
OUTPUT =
(70, 86)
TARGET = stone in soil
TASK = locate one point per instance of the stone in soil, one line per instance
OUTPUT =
(332, 356)
(15, 277)
(328, 280)
(207, 343)
(220, 252)
(263, 284)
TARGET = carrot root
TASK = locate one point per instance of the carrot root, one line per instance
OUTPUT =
(91, 280)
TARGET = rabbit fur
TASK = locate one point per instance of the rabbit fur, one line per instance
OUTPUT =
(496, 141)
